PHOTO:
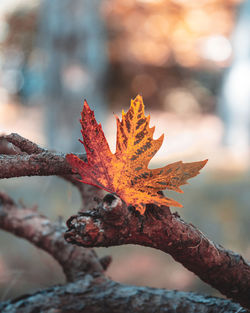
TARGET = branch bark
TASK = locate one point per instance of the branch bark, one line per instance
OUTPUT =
(42, 164)
(102, 295)
(26, 158)
(32, 160)
(90, 290)
(29, 224)
(23, 144)
(112, 223)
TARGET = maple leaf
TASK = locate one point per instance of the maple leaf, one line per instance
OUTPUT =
(126, 172)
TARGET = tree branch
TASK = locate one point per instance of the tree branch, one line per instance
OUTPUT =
(25, 158)
(101, 295)
(32, 160)
(29, 224)
(42, 164)
(90, 290)
(23, 144)
(112, 223)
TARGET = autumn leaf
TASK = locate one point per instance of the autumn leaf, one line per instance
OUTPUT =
(126, 172)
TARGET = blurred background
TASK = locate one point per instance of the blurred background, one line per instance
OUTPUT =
(190, 60)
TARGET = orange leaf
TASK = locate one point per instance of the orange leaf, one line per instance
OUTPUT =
(126, 172)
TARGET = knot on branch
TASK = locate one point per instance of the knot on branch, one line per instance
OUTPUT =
(90, 228)
(113, 223)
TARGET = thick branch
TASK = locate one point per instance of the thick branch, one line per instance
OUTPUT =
(43, 164)
(22, 157)
(29, 224)
(91, 292)
(113, 224)
(32, 160)
(101, 295)
(25, 158)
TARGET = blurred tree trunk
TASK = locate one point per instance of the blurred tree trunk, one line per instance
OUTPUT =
(234, 104)
(73, 41)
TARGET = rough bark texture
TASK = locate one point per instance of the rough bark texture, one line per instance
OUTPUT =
(23, 144)
(113, 224)
(31, 160)
(22, 157)
(90, 290)
(42, 164)
(29, 224)
(101, 295)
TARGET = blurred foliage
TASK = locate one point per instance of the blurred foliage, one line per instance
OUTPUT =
(162, 33)
(21, 31)
(154, 46)
(172, 52)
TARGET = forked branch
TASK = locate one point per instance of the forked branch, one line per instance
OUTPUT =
(112, 223)
(89, 290)
(22, 157)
